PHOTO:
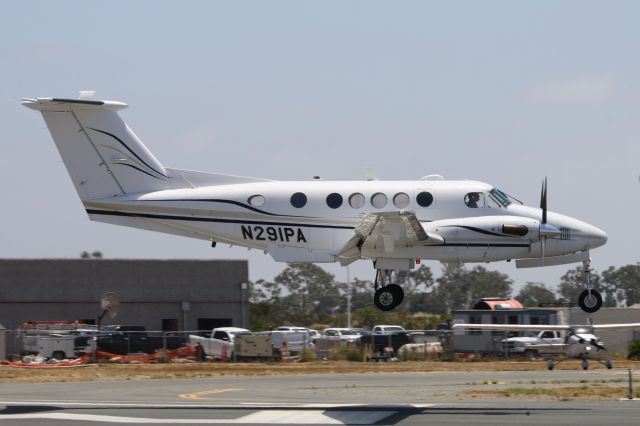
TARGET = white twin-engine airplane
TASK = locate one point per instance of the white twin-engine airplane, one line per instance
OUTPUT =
(392, 223)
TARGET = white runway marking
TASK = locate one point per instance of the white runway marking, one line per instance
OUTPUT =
(298, 417)
(242, 405)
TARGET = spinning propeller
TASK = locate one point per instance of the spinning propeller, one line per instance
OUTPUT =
(546, 230)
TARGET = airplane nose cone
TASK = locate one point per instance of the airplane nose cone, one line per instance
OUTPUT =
(597, 237)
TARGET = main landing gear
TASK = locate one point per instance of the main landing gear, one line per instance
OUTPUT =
(590, 299)
(387, 295)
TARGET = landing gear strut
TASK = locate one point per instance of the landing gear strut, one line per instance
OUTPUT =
(589, 300)
(387, 295)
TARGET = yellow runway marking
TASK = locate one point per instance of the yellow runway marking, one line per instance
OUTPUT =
(206, 393)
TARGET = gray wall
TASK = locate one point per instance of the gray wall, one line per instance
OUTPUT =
(149, 290)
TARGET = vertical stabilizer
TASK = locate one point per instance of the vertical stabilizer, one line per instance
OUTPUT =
(102, 154)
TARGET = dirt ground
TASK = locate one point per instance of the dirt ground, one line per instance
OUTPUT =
(11, 374)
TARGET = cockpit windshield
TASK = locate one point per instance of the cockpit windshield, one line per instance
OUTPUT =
(500, 197)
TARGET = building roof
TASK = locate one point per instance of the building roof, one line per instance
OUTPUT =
(494, 303)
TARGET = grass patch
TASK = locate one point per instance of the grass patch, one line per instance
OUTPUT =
(569, 393)
(10, 374)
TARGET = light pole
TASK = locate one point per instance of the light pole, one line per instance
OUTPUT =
(348, 298)
(243, 288)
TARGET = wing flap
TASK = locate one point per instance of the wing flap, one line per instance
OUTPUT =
(389, 230)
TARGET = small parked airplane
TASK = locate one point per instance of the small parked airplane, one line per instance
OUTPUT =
(392, 223)
(580, 341)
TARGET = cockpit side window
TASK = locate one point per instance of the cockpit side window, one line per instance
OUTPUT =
(500, 197)
(492, 203)
(474, 200)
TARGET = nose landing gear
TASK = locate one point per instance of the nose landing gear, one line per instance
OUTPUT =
(387, 296)
(590, 299)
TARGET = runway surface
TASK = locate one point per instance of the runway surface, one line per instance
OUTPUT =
(394, 398)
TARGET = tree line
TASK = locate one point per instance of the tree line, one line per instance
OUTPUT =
(305, 294)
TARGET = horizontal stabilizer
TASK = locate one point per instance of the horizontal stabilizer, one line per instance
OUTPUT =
(197, 179)
(553, 260)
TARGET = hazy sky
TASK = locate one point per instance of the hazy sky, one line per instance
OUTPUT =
(499, 91)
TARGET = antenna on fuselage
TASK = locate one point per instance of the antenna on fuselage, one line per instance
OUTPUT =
(370, 174)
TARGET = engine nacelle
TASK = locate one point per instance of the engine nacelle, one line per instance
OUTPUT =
(485, 229)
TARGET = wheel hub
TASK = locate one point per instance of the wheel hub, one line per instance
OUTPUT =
(386, 298)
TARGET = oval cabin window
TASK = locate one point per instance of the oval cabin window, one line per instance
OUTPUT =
(378, 200)
(298, 200)
(334, 200)
(356, 200)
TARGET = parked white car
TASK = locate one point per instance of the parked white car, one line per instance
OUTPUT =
(387, 329)
(313, 334)
(342, 334)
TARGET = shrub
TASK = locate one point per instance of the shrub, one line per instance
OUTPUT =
(634, 350)
(307, 355)
(349, 354)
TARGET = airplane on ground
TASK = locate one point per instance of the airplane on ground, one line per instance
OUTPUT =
(392, 223)
(580, 341)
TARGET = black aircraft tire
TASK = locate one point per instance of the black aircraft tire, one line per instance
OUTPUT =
(385, 298)
(592, 304)
(398, 292)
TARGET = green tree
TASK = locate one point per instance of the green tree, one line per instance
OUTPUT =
(624, 282)
(534, 294)
(457, 289)
(95, 255)
(418, 285)
(312, 294)
(264, 316)
(361, 294)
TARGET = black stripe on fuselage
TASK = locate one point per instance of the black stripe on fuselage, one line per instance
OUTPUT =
(259, 222)
(487, 245)
(235, 203)
(478, 230)
(214, 220)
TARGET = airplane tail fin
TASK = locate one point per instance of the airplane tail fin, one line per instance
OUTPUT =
(101, 153)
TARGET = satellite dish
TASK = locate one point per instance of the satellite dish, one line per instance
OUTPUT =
(109, 302)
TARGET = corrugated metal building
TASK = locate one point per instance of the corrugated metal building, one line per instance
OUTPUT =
(490, 342)
(158, 294)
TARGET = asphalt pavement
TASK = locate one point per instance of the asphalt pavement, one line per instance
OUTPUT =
(437, 398)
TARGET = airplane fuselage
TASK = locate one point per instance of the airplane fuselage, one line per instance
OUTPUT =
(313, 220)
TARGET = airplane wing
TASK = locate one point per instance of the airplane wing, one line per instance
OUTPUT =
(615, 326)
(389, 229)
(513, 327)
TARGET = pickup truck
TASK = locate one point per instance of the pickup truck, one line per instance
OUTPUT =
(57, 345)
(532, 344)
(220, 344)
(127, 339)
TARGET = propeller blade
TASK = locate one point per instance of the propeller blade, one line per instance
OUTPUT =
(543, 200)
(543, 244)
